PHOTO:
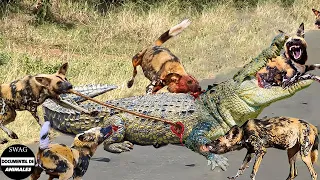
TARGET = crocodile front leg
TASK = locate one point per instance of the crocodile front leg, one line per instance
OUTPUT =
(116, 143)
(203, 133)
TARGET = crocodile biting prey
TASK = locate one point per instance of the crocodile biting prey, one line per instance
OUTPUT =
(211, 115)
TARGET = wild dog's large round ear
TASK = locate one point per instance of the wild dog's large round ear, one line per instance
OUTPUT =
(300, 31)
(63, 69)
(316, 12)
(43, 81)
(234, 131)
(172, 77)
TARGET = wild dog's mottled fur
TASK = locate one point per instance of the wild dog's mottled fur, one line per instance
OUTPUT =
(28, 93)
(317, 22)
(163, 68)
(286, 69)
(286, 133)
(63, 162)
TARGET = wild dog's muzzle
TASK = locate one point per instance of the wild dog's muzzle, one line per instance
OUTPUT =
(64, 87)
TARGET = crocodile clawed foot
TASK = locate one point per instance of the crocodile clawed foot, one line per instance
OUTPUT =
(218, 160)
(119, 147)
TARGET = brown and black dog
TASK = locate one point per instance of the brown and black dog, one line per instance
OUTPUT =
(256, 135)
(288, 68)
(63, 162)
(317, 23)
(163, 68)
(28, 93)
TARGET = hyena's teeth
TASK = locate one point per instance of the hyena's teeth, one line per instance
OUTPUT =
(210, 147)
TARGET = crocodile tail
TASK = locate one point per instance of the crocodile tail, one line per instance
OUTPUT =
(89, 90)
(44, 136)
(174, 31)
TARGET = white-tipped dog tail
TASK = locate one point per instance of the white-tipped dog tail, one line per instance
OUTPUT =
(174, 31)
(44, 136)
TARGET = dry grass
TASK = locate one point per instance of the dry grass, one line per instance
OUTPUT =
(99, 48)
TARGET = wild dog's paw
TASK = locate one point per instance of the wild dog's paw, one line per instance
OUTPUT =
(118, 147)
(3, 141)
(130, 83)
(217, 160)
(13, 135)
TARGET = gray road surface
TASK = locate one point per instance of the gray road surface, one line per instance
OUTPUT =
(177, 163)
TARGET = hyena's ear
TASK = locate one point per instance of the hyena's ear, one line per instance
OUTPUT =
(172, 77)
(63, 69)
(300, 31)
(316, 12)
(43, 81)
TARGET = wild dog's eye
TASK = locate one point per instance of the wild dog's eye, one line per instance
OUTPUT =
(59, 83)
(189, 82)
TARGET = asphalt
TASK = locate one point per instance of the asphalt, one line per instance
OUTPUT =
(178, 163)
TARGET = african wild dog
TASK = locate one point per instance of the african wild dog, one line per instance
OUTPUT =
(317, 23)
(256, 135)
(286, 69)
(63, 162)
(28, 93)
(163, 68)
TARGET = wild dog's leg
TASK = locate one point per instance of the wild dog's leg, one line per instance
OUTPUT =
(259, 156)
(7, 116)
(244, 165)
(292, 156)
(116, 143)
(35, 115)
(36, 173)
(259, 150)
(312, 67)
(136, 61)
(306, 147)
(309, 76)
(155, 85)
(51, 177)
(68, 174)
(308, 162)
(158, 85)
(290, 78)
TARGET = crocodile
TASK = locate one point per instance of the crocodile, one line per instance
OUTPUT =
(212, 114)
